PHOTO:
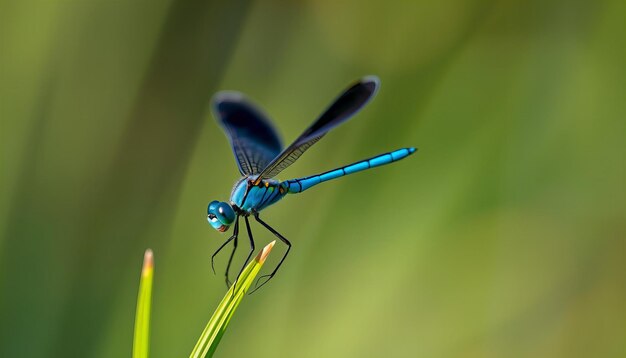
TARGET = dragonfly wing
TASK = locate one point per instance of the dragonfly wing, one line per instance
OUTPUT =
(253, 138)
(346, 105)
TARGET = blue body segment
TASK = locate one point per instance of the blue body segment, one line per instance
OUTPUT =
(301, 184)
(253, 198)
(249, 197)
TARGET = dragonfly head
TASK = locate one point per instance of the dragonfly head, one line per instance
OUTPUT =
(220, 215)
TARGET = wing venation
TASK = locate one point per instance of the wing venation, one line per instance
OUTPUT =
(253, 139)
(342, 109)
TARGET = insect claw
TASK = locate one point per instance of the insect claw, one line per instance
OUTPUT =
(234, 288)
(257, 286)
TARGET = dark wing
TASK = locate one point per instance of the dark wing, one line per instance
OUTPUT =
(252, 137)
(346, 105)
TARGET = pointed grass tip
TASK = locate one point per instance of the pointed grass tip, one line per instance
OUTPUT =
(260, 258)
(148, 262)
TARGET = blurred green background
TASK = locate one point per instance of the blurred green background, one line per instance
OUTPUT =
(504, 236)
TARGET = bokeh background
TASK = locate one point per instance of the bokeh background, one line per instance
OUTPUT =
(504, 236)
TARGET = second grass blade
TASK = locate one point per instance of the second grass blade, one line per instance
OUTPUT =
(210, 337)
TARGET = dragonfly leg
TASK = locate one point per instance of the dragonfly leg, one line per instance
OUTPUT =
(232, 254)
(249, 254)
(283, 239)
(233, 237)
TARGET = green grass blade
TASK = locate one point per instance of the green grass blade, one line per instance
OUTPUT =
(141, 340)
(214, 330)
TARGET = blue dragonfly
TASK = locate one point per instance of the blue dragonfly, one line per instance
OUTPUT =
(260, 157)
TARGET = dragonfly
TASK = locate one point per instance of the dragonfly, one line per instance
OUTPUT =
(260, 157)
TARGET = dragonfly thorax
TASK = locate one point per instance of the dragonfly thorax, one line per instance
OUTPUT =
(250, 198)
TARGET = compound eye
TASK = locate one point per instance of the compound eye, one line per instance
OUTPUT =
(212, 218)
(225, 213)
(212, 207)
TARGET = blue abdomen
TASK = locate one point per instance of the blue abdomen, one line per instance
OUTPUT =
(254, 198)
